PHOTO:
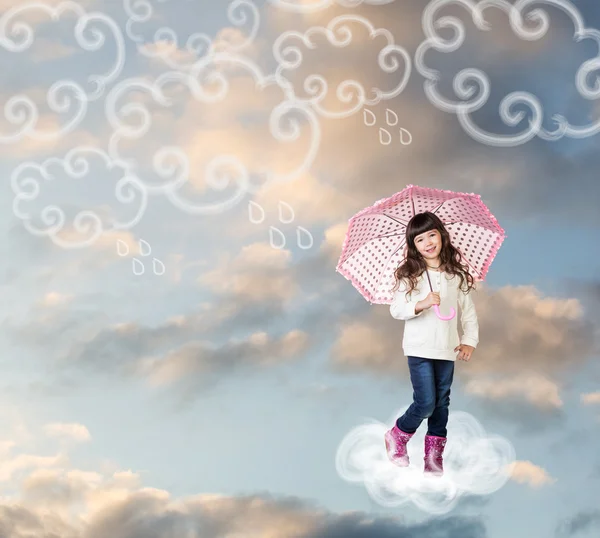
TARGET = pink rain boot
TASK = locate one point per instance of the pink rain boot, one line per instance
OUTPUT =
(395, 445)
(434, 448)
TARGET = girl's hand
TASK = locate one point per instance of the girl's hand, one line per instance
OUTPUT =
(464, 352)
(432, 299)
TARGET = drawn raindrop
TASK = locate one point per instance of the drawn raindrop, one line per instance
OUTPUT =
(156, 263)
(402, 130)
(256, 213)
(273, 230)
(280, 207)
(388, 114)
(122, 248)
(306, 233)
(374, 118)
(142, 244)
(139, 265)
(387, 136)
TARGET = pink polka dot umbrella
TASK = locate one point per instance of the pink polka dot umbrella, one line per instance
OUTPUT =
(375, 240)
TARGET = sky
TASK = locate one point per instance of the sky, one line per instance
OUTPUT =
(180, 356)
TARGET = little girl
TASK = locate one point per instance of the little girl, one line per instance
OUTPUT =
(432, 274)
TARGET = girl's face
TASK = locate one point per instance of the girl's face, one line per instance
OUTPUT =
(429, 244)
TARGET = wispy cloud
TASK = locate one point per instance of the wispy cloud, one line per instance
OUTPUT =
(53, 299)
(526, 472)
(76, 432)
(532, 387)
(238, 328)
(258, 273)
(591, 398)
(201, 364)
(579, 523)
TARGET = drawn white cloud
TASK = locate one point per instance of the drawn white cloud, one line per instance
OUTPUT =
(134, 105)
(116, 199)
(288, 51)
(472, 86)
(66, 97)
(178, 53)
(475, 463)
(310, 6)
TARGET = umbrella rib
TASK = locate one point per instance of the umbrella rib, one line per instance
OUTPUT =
(440, 206)
(470, 224)
(395, 219)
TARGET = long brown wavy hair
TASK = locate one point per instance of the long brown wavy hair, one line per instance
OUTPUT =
(414, 265)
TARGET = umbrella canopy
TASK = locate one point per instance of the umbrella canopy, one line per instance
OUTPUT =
(375, 241)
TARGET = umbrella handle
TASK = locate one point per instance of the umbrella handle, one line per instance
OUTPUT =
(439, 314)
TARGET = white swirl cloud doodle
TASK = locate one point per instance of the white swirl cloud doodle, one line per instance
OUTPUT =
(165, 44)
(65, 97)
(474, 464)
(310, 6)
(89, 172)
(472, 86)
(351, 93)
(202, 154)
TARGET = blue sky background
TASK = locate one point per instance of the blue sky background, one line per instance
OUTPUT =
(212, 399)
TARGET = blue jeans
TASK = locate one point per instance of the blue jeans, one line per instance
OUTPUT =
(431, 380)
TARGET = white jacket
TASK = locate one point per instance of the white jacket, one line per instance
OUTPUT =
(427, 336)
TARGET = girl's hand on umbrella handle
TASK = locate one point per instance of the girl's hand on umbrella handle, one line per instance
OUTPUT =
(431, 300)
